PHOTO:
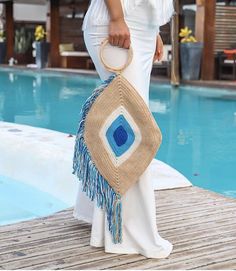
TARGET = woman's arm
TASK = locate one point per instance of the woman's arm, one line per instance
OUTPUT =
(119, 34)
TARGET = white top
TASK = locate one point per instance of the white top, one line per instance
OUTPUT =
(162, 10)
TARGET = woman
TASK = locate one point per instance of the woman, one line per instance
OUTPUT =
(135, 23)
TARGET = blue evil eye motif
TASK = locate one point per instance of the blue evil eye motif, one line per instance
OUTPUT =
(120, 135)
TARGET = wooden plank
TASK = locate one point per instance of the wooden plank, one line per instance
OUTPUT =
(77, 228)
(199, 230)
(27, 251)
(221, 265)
(198, 208)
(62, 217)
(81, 241)
(44, 236)
(228, 253)
(38, 222)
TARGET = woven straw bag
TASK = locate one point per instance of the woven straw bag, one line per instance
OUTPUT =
(116, 140)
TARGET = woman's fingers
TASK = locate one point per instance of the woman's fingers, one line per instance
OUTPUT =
(115, 40)
(124, 41)
(127, 43)
(121, 40)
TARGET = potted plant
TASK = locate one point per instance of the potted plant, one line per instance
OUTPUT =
(41, 47)
(3, 46)
(190, 55)
(23, 45)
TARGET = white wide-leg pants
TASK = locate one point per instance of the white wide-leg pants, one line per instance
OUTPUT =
(140, 233)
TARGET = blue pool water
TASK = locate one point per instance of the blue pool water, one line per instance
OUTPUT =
(19, 201)
(198, 124)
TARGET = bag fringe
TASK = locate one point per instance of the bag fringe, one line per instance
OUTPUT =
(93, 183)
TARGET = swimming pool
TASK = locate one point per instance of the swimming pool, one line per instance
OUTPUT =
(198, 124)
(19, 201)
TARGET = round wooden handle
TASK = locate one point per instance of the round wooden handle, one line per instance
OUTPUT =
(118, 69)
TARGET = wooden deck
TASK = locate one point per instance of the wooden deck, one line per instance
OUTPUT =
(200, 224)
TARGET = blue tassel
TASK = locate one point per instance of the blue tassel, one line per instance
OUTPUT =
(93, 183)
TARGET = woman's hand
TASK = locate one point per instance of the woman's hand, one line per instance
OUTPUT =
(119, 34)
(159, 49)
